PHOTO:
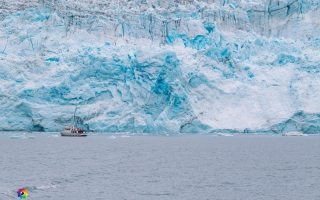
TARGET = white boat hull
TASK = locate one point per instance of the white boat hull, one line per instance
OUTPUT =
(70, 134)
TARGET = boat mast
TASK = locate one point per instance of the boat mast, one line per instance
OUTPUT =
(74, 117)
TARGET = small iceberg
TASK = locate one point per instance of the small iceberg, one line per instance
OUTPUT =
(112, 137)
(31, 137)
(23, 136)
(15, 136)
(294, 134)
(125, 135)
(53, 136)
(225, 134)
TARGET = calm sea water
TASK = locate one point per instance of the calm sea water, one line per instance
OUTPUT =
(159, 167)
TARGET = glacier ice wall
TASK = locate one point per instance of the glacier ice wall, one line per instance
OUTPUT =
(157, 66)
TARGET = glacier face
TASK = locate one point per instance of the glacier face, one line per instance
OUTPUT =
(160, 66)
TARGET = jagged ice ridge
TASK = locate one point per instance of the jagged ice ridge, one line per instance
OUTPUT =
(160, 66)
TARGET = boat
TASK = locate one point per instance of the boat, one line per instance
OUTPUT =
(294, 134)
(73, 131)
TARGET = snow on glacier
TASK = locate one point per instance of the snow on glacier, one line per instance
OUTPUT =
(160, 66)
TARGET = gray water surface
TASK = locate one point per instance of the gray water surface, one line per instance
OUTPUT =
(158, 167)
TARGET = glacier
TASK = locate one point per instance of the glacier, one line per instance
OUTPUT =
(160, 66)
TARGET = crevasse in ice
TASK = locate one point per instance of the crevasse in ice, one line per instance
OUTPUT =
(160, 66)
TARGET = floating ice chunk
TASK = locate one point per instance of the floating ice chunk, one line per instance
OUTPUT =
(18, 137)
(125, 136)
(225, 134)
(55, 136)
(15, 136)
(294, 134)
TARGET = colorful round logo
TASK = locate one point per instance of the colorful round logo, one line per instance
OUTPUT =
(22, 193)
